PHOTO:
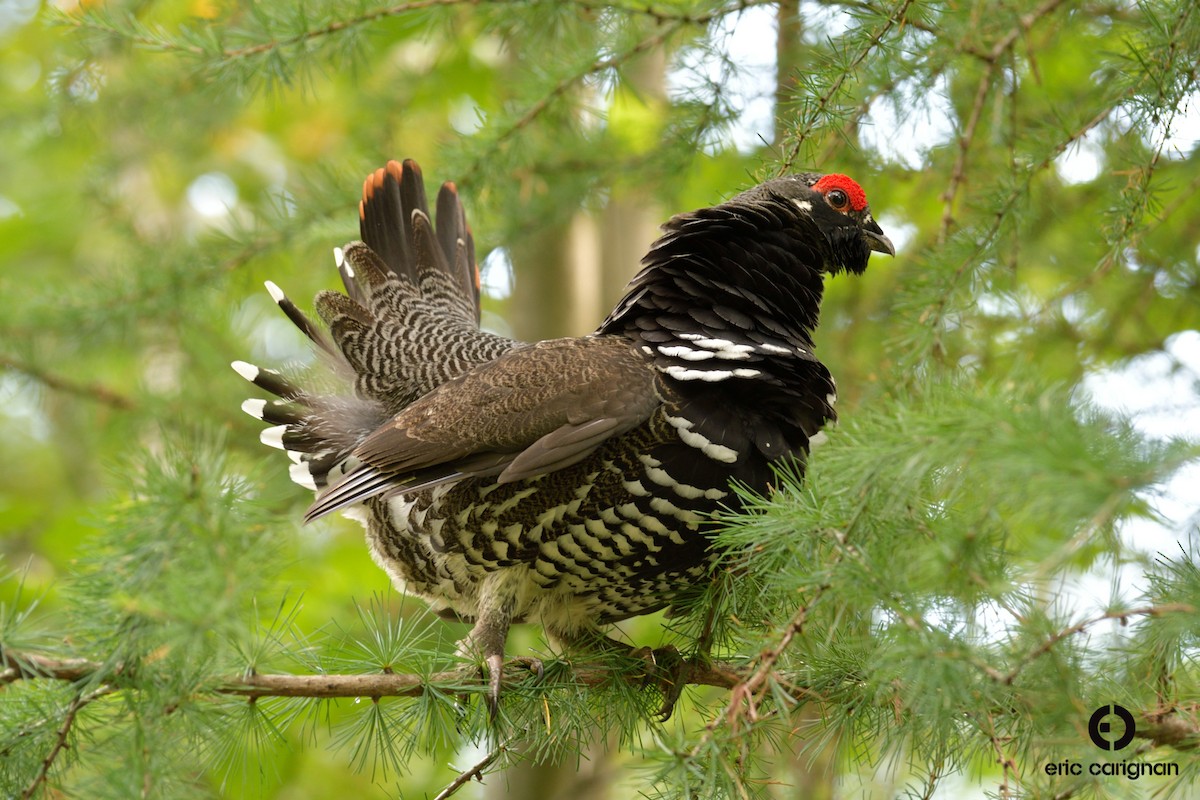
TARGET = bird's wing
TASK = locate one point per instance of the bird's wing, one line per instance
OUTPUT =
(533, 410)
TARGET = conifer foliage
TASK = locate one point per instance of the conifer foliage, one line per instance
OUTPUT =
(987, 577)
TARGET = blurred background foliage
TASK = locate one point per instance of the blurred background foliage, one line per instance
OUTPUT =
(1035, 161)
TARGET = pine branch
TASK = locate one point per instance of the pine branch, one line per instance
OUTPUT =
(1024, 24)
(934, 313)
(662, 15)
(535, 110)
(161, 42)
(820, 112)
(474, 771)
(60, 740)
(92, 391)
(185, 44)
(742, 696)
(21, 665)
(1080, 627)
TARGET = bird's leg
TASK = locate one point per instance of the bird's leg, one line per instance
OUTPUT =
(497, 603)
(664, 667)
(486, 642)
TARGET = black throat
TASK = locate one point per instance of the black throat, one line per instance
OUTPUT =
(749, 274)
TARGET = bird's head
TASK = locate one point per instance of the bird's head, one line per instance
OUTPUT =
(837, 207)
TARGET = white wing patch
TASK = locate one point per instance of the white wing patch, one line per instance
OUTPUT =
(701, 347)
(686, 353)
(709, 375)
(717, 452)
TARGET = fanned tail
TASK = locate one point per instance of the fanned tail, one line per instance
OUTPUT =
(408, 322)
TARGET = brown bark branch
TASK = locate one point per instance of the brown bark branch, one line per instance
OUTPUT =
(91, 391)
(26, 666)
(60, 744)
(18, 665)
(474, 771)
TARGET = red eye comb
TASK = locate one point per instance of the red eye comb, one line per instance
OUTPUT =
(858, 198)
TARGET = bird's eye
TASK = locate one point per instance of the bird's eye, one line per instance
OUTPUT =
(838, 199)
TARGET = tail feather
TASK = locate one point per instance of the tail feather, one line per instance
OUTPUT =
(276, 412)
(365, 271)
(299, 318)
(408, 322)
(317, 431)
(394, 222)
(381, 219)
(458, 244)
(390, 195)
(438, 282)
(268, 380)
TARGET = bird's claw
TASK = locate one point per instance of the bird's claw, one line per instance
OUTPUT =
(495, 666)
(664, 669)
(530, 664)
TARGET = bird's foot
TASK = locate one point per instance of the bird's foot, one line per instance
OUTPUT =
(663, 668)
(496, 668)
(493, 669)
(529, 664)
(666, 670)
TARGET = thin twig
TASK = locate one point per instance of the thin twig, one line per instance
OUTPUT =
(91, 391)
(1007, 766)
(1002, 46)
(895, 18)
(932, 779)
(476, 770)
(1079, 627)
(60, 744)
(958, 173)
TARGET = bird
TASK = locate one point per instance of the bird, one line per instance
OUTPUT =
(564, 482)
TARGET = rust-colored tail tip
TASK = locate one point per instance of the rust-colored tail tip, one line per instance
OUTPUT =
(411, 166)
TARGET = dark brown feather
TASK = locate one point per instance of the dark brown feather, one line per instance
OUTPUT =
(535, 409)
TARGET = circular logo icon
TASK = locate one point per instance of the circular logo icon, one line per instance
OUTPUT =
(1101, 729)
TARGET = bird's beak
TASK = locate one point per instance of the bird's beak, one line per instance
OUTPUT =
(876, 240)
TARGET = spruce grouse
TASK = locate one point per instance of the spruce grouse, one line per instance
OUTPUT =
(563, 482)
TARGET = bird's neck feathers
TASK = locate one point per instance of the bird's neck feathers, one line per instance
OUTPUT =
(743, 272)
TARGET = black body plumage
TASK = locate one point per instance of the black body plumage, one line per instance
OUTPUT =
(564, 482)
